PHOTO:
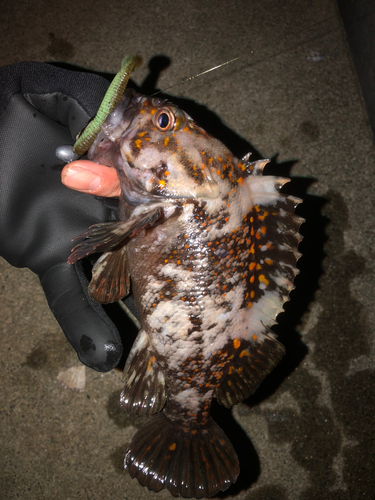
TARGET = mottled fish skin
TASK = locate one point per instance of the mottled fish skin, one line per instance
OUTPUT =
(210, 271)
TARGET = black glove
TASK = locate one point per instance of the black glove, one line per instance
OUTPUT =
(43, 107)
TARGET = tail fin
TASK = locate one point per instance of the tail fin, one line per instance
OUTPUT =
(189, 462)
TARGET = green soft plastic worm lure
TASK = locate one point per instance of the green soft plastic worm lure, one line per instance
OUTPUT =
(111, 99)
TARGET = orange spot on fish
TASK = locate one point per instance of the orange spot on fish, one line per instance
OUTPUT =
(138, 143)
(255, 336)
(151, 360)
(263, 279)
(166, 140)
(244, 353)
(236, 343)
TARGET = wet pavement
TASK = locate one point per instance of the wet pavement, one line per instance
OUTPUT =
(293, 96)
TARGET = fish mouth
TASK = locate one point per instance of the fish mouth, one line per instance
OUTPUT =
(120, 121)
(117, 124)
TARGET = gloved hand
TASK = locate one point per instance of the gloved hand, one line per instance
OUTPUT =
(41, 108)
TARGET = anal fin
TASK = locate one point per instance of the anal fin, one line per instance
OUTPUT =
(144, 383)
(192, 462)
(249, 368)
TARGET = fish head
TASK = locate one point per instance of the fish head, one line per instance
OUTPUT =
(158, 150)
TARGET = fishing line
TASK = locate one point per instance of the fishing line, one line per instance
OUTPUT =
(188, 78)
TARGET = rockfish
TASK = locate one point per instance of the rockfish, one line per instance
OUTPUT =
(209, 245)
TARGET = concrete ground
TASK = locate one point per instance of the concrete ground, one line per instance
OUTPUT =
(308, 432)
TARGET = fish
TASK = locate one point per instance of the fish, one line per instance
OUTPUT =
(208, 245)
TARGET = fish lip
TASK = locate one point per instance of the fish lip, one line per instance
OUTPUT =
(120, 121)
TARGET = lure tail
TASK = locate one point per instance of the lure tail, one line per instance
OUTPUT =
(192, 462)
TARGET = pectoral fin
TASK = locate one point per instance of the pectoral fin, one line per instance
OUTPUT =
(110, 279)
(111, 235)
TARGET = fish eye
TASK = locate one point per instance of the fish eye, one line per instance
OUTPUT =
(164, 119)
